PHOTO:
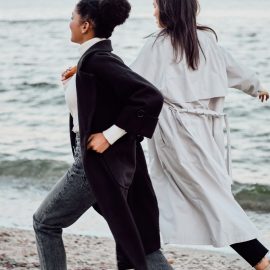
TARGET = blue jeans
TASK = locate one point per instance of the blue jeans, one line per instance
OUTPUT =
(66, 202)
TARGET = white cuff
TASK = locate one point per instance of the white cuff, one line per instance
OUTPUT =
(261, 89)
(113, 134)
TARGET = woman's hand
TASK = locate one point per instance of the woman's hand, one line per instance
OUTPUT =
(68, 73)
(63, 75)
(263, 95)
(98, 143)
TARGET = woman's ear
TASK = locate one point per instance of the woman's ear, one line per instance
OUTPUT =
(87, 27)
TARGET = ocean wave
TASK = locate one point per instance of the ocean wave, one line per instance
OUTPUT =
(255, 197)
(42, 174)
(26, 20)
(25, 173)
(40, 85)
(32, 20)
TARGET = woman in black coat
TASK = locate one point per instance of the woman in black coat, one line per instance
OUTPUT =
(105, 97)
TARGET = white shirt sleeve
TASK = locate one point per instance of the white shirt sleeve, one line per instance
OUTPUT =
(113, 134)
(240, 77)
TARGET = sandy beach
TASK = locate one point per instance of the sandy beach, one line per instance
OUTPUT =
(18, 251)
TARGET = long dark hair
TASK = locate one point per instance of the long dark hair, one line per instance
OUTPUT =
(179, 20)
(105, 14)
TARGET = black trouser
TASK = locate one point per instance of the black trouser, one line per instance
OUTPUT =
(252, 251)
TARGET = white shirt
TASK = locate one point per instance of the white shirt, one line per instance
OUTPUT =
(113, 133)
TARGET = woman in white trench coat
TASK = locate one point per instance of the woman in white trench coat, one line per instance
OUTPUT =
(190, 173)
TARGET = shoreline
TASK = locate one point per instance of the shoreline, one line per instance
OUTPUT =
(18, 251)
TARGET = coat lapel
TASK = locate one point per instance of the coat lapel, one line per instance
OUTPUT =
(86, 91)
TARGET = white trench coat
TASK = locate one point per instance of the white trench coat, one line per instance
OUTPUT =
(187, 152)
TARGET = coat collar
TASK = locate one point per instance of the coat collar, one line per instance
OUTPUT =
(88, 44)
(101, 46)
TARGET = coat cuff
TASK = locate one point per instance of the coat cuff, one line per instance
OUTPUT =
(261, 89)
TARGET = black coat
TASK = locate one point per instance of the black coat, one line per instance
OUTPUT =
(110, 93)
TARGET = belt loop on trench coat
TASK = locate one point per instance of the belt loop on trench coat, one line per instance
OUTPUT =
(213, 114)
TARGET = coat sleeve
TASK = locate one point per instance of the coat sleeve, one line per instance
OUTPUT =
(240, 77)
(142, 102)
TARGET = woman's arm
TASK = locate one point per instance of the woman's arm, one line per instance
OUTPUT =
(142, 101)
(243, 79)
(100, 142)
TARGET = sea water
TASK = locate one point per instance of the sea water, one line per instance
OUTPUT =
(34, 138)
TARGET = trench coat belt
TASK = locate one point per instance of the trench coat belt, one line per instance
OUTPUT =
(209, 113)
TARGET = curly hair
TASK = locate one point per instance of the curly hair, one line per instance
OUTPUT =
(104, 14)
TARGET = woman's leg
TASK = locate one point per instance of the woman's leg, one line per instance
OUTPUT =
(253, 252)
(155, 261)
(67, 201)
